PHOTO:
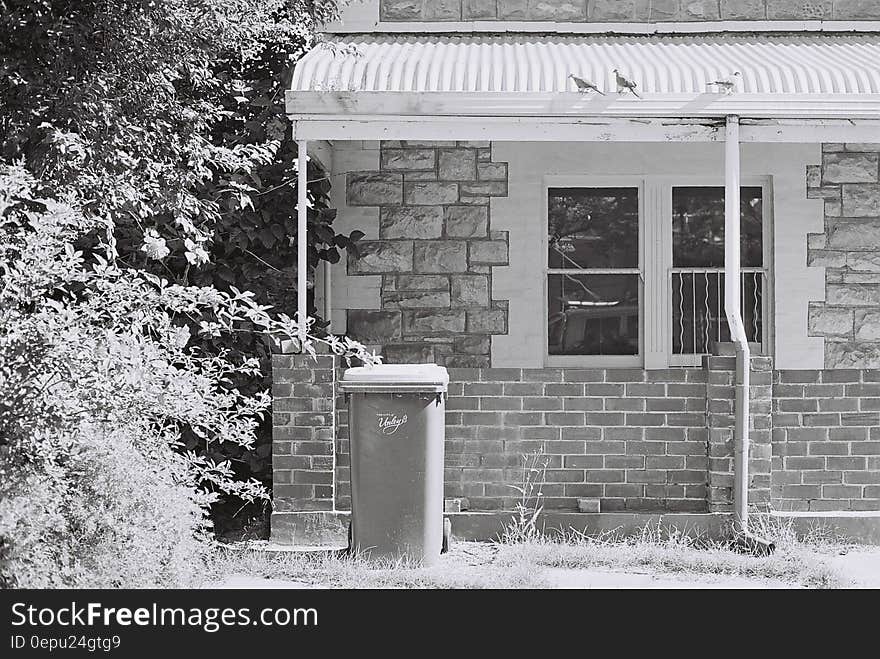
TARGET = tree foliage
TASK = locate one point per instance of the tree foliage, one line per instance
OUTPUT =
(165, 119)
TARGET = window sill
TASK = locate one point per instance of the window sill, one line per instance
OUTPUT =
(594, 361)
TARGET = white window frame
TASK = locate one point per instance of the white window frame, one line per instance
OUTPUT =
(655, 266)
(763, 182)
(576, 181)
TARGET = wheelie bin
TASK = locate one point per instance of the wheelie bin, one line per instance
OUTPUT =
(396, 418)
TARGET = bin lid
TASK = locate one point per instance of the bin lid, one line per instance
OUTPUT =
(395, 377)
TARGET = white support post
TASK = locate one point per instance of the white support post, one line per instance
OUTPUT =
(302, 215)
(327, 289)
(732, 283)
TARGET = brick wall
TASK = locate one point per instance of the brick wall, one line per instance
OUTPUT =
(435, 252)
(826, 440)
(637, 440)
(581, 11)
(720, 395)
(634, 439)
(303, 432)
(849, 319)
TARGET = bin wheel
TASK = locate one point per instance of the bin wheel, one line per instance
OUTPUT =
(350, 547)
(447, 536)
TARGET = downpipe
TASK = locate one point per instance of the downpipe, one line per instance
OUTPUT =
(732, 281)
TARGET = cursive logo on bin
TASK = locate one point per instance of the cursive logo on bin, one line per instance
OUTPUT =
(389, 423)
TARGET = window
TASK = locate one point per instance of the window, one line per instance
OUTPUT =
(698, 314)
(615, 297)
(593, 271)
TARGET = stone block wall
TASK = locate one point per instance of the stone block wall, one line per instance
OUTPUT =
(826, 440)
(848, 179)
(435, 252)
(621, 11)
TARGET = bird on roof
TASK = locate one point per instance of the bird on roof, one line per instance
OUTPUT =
(625, 83)
(729, 83)
(585, 86)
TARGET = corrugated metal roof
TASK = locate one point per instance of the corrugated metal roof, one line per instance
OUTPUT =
(790, 64)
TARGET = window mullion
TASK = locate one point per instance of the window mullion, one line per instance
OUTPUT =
(656, 264)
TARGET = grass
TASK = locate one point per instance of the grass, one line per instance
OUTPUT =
(468, 565)
(664, 551)
(659, 551)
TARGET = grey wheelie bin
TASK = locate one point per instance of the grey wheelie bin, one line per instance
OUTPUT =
(396, 420)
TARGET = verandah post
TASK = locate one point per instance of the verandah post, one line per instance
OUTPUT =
(302, 214)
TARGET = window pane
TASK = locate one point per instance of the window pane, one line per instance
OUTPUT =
(593, 228)
(698, 227)
(593, 314)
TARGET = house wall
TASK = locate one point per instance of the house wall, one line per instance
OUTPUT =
(303, 432)
(636, 440)
(364, 291)
(848, 179)
(621, 11)
(452, 267)
(520, 214)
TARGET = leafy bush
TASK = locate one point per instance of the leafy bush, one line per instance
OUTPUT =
(106, 517)
(100, 385)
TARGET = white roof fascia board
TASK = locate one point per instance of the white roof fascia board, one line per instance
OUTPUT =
(586, 129)
(367, 26)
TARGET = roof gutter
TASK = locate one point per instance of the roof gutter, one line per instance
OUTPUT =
(482, 105)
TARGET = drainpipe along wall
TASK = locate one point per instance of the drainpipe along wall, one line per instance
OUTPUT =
(732, 283)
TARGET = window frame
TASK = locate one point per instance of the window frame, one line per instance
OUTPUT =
(655, 265)
(577, 181)
(765, 183)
